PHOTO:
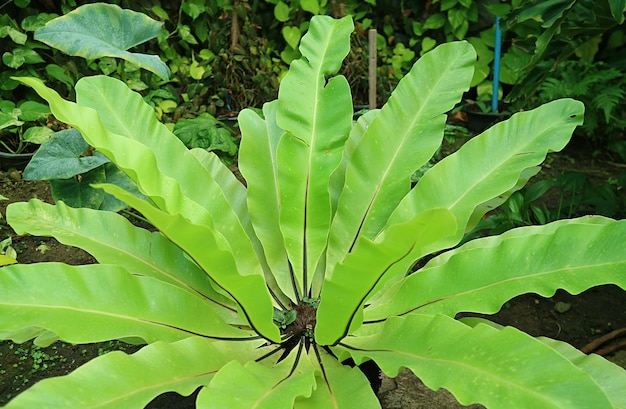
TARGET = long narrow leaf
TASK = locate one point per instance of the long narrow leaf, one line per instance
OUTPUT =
(236, 194)
(137, 250)
(316, 114)
(201, 180)
(260, 386)
(498, 368)
(121, 125)
(357, 133)
(545, 229)
(485, 273)
(257, 163)
(400, 138)
(351, 282)
(132, 381)
(209, 250)
(98, 302)
(608, 375)
(233, 190)
(339, 386)
(490, 165)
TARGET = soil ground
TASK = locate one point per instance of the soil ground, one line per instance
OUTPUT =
(576, 319)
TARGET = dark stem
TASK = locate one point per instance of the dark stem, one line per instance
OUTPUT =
(294, 284)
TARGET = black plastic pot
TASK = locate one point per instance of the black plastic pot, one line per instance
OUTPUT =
(14, 160)
(478, 121)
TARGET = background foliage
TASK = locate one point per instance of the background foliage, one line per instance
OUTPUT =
(228, 54)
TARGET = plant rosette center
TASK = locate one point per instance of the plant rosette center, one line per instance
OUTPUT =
(298, 322)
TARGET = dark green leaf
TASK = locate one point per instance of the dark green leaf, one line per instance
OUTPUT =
(33, 110)
(193, 8)
(107, 65)
(281, 11)
(60, 74)
(15, 35)
(115, 176)
(37, 134)
(6, 82)
(435, 21)
(457, 17)
(7, 120)
(13, 60)
(540, 215)
(312, 6)
(617, 9)
(538, 189)
(203, 132)
(447, 4)
(28, 55)
(75, 191)
(546, 12)
(32, 23)
(104, 30)
(292, 36)
(61, 157)
(185, 34)
(498, 9)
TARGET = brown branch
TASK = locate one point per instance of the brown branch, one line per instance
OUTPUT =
(234, 27)
(611, 348)
(593, 345)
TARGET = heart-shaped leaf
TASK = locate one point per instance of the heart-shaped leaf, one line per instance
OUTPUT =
(312, 6)
(61, 157)
(104, 30)
(281, 11)
(292, 36)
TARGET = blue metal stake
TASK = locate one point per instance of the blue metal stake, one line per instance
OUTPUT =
(496, 67)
